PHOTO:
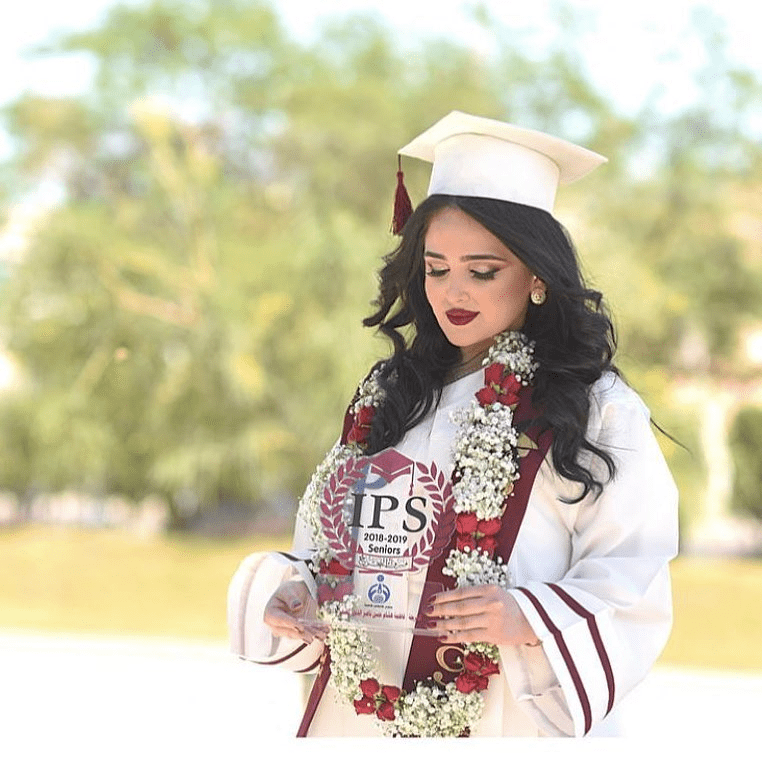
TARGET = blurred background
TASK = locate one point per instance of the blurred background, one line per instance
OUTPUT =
(195, 196)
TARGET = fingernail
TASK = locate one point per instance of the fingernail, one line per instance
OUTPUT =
(429, 610)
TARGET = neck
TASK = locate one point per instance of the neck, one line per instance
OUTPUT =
(466, 365)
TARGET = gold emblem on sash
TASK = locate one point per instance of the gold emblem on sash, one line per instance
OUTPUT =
(449, 663)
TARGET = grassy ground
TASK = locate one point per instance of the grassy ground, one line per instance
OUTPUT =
(79, 581)
(103, 581)
(718, 614)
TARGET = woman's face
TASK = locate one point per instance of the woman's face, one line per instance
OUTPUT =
(475, 285)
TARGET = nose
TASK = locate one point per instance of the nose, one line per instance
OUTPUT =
(456, 288)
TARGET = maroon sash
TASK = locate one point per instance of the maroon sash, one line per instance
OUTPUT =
(423, 658)
(316, 693)
(426, 657)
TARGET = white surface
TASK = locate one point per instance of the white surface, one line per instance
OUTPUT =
(86, 698)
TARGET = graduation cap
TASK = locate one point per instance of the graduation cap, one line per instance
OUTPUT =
(475, 156)
(391, 464)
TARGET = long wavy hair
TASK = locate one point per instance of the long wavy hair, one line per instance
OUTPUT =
(575, 338)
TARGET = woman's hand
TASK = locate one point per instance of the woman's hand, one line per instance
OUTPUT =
(485, 613)
(291, 613)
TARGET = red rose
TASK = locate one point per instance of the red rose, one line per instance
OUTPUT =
(493, 374)
(466, 523)
(511, 385)
(486, 396)
(391, 692)
(369, 687)
(473, 662)
(365, 705)
(487, 543)
(324, 593)
(343, 589)
(489, 526)
(356, 434)
(365, 415)
(509, 390)
(465, 542)
(361, 425)
(482, 682)
(508, 399)
(385, 711)
(335, 568)
(466, 682)
(490, 668)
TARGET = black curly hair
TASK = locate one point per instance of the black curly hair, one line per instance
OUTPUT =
(574, 336)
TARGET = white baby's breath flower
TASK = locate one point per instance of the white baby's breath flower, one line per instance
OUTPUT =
(475, 567)
(369, 393)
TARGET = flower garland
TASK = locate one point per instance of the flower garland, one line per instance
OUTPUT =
(485, 456)
(369, 397)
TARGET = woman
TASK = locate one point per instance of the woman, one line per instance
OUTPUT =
(485, 551)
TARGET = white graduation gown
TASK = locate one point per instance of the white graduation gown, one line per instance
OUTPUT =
(591, 577)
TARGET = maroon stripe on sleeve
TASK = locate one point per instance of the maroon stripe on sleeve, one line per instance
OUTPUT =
(298, 562)
(316, 694)
(595, 633)
(283, 658)
(564, 649)
(294, 559)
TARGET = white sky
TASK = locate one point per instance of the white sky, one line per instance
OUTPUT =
(632, 47)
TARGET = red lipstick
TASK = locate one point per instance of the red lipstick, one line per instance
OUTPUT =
(460, 317)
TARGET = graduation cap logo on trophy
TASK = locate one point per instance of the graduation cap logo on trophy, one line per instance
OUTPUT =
(382, 544)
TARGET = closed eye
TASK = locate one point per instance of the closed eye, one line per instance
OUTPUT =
(487, 275)
(433, 272)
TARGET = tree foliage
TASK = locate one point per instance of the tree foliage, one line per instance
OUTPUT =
(188, 317)
(746, 445)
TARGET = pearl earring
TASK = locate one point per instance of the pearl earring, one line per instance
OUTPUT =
(538, 297)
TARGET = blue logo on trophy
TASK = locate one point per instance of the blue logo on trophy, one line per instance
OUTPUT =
(379, 593)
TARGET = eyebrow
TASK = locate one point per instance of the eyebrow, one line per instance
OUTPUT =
(467, 257)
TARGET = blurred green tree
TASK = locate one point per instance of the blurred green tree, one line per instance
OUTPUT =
(188, 317)
(746, 446)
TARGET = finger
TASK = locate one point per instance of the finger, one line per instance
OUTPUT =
(455, 601)
(294, 595)
(472, 636)
(461, 608)
(293, 603)
(320, 634)
(475, 635)
(293, 631)
(316, 629)
(282, 621)
(461, 625)
(283, 628)
(461, 594)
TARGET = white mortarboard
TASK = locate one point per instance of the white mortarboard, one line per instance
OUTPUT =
(474, 156)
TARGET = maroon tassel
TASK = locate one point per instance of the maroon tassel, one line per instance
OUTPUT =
(402, 206)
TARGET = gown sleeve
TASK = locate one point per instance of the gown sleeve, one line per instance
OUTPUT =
(256, 579)
(602, 623)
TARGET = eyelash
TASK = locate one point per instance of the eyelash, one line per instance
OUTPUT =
(488, 275)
